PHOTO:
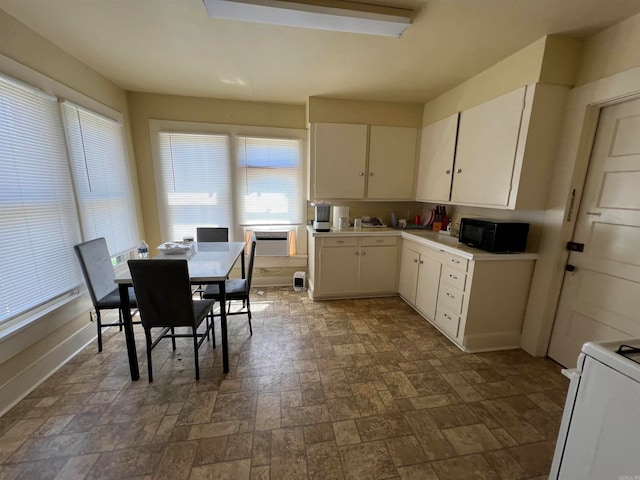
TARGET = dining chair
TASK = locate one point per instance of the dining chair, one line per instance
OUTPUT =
(212, 234)
(164, 298)
(99, 276)
(236, 289)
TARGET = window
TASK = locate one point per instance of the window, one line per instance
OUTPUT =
(38, 217)
(220, 176)
(195, 184)
(101, 177)
(269, 181)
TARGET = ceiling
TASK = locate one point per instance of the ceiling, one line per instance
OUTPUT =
(173, 47)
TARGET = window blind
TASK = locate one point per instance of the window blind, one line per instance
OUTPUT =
(195, 182)
(269, 181)
(38, 216)
(101, 177)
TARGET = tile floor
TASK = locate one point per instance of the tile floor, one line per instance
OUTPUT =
(353, 389)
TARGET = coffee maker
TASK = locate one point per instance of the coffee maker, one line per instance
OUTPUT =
(323, 212)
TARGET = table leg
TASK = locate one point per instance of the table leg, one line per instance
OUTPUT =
(128, 331)
(223, 327)
(242, 263)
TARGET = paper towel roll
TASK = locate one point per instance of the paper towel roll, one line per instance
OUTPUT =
(338, 213)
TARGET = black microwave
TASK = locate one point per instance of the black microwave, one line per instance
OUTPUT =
(495, 236)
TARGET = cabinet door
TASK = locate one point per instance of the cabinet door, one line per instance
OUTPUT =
(338, 270)
(408, 275)
(378, 267)
(428, 283)
(435, 168)
(392, 162)
(340, 153)
(486, 151)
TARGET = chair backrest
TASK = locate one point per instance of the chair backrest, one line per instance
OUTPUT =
(212, 234)
(163, 292)
(252, 254)
(97, 268)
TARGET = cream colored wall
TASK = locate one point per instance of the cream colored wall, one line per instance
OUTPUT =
(331, 110)
(605, 53)
(145, 107)
(67, 324)
(611, 51)
(552, 59)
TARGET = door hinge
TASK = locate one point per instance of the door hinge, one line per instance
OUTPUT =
(575, 247)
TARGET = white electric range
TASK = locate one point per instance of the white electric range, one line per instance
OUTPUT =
(600, 431)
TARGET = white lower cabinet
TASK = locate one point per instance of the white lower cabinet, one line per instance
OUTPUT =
(351, 266)
(419, 278)
(478, 304)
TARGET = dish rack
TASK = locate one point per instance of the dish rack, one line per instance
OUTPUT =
(371, 225)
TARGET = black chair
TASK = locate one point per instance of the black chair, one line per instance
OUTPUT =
(99, 276)
(164, 298)
(236, 289)
(212, 234)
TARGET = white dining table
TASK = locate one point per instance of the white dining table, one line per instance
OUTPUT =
(209, 263)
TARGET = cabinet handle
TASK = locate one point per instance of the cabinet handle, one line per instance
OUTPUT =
(415, 260)
(361, 174)
(595, 214)
(356, 252)
(449, 295)
(455, 261)
(453, 276)
(364, 253)
(458, 170)
(421, 262)
(371, 174)
(447, 316)
(379, 241)
(447, 172)
(339, 241)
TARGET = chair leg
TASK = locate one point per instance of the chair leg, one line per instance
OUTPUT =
(213, 329)
(99, 323)
(195, 352)
(120, 318)
(173, 337)
(147, 334)
(249, 315)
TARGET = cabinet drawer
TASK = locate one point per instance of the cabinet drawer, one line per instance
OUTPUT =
(378, 241)
(454, 261)
(451, 297)
(339, 241)
(448, 321)
(454, 277)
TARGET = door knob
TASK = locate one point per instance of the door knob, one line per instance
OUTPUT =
(570, 268)
(458, 170)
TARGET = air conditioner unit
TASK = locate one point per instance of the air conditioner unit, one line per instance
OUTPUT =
(272, 244)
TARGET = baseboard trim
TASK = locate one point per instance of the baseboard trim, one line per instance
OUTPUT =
(25, 381)
(488, 342)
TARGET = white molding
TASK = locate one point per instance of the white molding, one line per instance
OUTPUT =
(25, 381)
(489, 342)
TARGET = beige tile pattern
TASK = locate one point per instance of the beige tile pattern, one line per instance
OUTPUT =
(352, 389)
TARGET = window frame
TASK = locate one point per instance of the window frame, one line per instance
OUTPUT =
(237, 231)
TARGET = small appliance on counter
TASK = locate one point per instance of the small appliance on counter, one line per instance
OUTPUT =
(322, 215)
(338, 214)
(496, 236)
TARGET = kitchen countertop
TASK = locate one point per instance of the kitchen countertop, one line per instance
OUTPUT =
(430, 239)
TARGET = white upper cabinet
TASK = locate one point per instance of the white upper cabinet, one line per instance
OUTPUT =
(392, 161)
(437, 153)
(340, 153)
(504, 151)
(350, 161)
(486, 150)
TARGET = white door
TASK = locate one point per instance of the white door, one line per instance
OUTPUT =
(600, 299)
(392, 162)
